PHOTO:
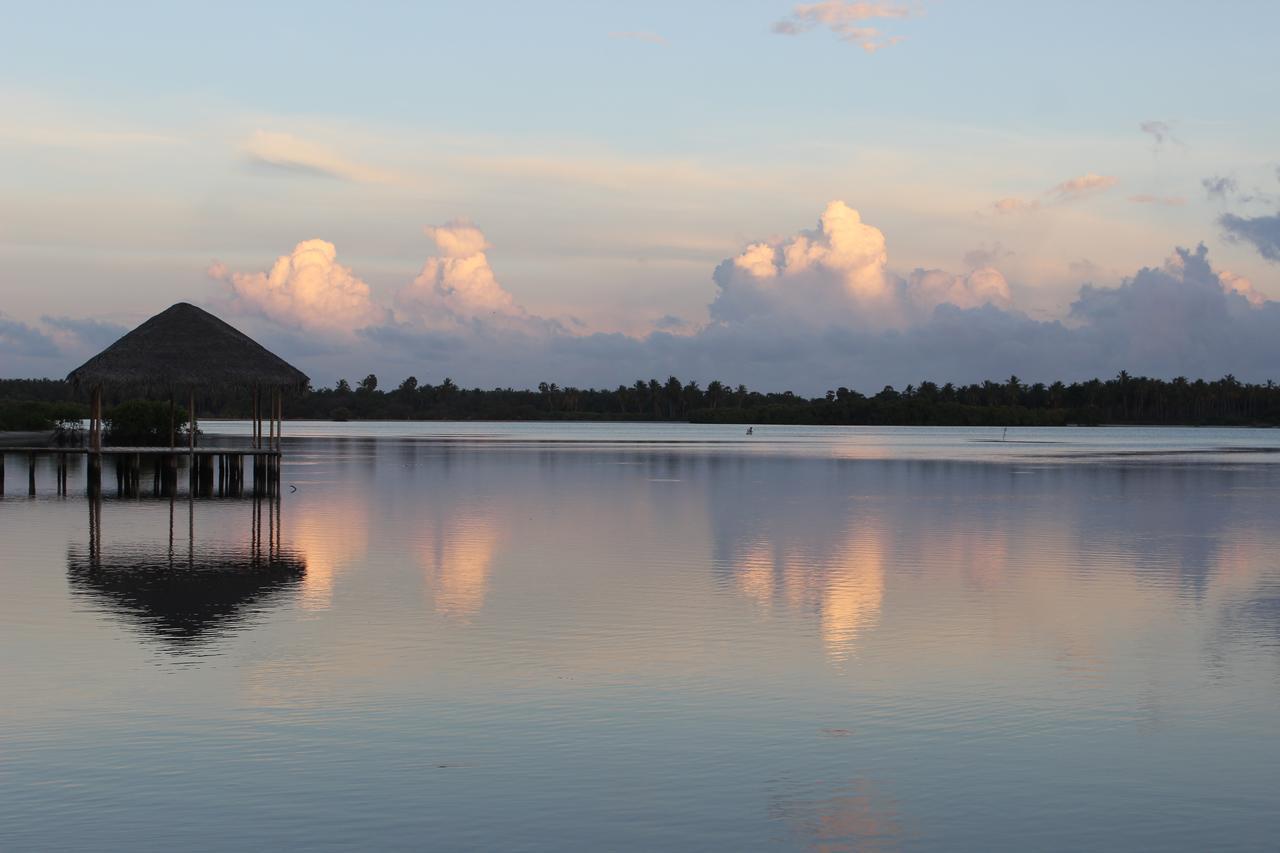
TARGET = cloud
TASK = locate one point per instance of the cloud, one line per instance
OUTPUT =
(1159, 131)
(838, 273)
(53, 347)
(1262, 232)
(1219, 187)
(306, 289)
(1069, 190)
(1009, 206)
(80, 333)
(814, 310)
(638, 35)
(928, 289)
(846, 19)
(1233, 283)
(984, 257)
(1082, 186)
(1161, 200)
(458, 287)
(19, 339)
(289, 153)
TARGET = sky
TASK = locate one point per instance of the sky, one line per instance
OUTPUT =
(785, 195)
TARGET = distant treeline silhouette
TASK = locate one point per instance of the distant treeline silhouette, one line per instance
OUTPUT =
(1123, 399)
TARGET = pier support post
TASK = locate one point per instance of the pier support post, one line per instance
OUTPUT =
(31, 473)
(93, 474)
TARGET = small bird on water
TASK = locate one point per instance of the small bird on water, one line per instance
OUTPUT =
(750, 430)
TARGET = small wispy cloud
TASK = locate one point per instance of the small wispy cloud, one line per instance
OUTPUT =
(1067, 191)
(638, 35)
(1010, 205)
(847, 20)
(1220, 186)
(290, 153)
(1082, 186)
(1159, 131)
(1164, 201)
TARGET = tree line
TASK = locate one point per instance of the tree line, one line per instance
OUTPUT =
(1123, 399)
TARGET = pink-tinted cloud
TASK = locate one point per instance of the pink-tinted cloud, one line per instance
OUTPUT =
(306, 289)
(288, 152)
(837, 274)
(1069, 190)
(846, 19)
(458, 286)
(1082, 186)
(1161, 200)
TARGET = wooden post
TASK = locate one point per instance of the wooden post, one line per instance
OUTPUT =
(172, 426)
(1, 472)
(191, 442)
(31, 475)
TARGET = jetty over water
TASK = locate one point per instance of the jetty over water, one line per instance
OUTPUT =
(179, 354)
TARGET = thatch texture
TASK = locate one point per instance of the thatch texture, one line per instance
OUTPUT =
(186, 347)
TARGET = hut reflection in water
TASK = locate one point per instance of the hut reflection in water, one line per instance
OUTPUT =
(185, 592)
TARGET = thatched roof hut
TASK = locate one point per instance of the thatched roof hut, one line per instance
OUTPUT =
(185, 348)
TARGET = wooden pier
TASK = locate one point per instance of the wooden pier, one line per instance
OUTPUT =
(210, 470)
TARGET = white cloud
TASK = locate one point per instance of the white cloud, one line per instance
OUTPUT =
(812, 311)
(307, 289)
(459, 288)
(837, 275)
(288, 152)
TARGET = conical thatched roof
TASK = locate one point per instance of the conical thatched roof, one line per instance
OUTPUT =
(187, 347)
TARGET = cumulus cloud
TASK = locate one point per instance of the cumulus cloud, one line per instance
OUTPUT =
(846, 19)
(1261, 232)
(818, 309)
(1233, 283)
(984, 286)
(838, 274)
(458, 287)
(1067, 191)
(287, 152)
(306, 289)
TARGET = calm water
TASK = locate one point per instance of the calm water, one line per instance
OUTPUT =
(590, 637)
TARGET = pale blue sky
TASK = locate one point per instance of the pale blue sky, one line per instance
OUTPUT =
(611, 174)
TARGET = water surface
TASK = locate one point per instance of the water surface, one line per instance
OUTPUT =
(654, 637)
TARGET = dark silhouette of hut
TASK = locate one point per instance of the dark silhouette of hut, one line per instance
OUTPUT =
(184, 601)
(182, 350)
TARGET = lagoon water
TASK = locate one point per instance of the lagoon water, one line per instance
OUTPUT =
(655, 637)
